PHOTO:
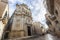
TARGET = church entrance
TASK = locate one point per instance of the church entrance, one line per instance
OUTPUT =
(29, 30)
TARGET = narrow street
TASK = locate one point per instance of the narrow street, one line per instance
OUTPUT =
(29, 20)
(45, 37)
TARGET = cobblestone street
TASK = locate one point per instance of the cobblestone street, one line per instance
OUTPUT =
(45, 37)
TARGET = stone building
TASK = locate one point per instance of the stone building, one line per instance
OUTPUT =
(22, 22)
(5, 1)
(3, 16)
(38, 28)
(53, 20)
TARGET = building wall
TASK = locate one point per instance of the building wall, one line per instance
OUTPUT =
(21, 21)
(50, 22)
(5, 1)
(1, 29)
(3, 21)
(57, 14)
(37, 28)
(56, 21)
(50, 6)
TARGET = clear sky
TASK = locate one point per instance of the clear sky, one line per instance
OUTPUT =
(37, 8)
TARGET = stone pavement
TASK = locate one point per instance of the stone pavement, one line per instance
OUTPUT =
(44, 37)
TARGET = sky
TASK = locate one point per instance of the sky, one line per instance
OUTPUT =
(37, 8)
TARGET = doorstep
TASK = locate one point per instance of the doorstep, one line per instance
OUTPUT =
(27, 37)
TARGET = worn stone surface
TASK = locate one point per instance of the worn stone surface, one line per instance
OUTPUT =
(44, 37)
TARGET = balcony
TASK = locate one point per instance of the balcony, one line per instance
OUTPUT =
(52, 17)
(48, 22)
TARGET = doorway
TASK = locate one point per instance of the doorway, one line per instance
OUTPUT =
(29, 30)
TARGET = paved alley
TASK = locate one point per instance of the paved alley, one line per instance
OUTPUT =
(45, 37)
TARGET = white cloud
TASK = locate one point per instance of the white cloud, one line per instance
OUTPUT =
(12, 1)
(21, 1)
(11, 10)
(36, 6)
(39, 11)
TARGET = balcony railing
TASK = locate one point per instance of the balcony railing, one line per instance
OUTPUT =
(52, 17)
(48, 22)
